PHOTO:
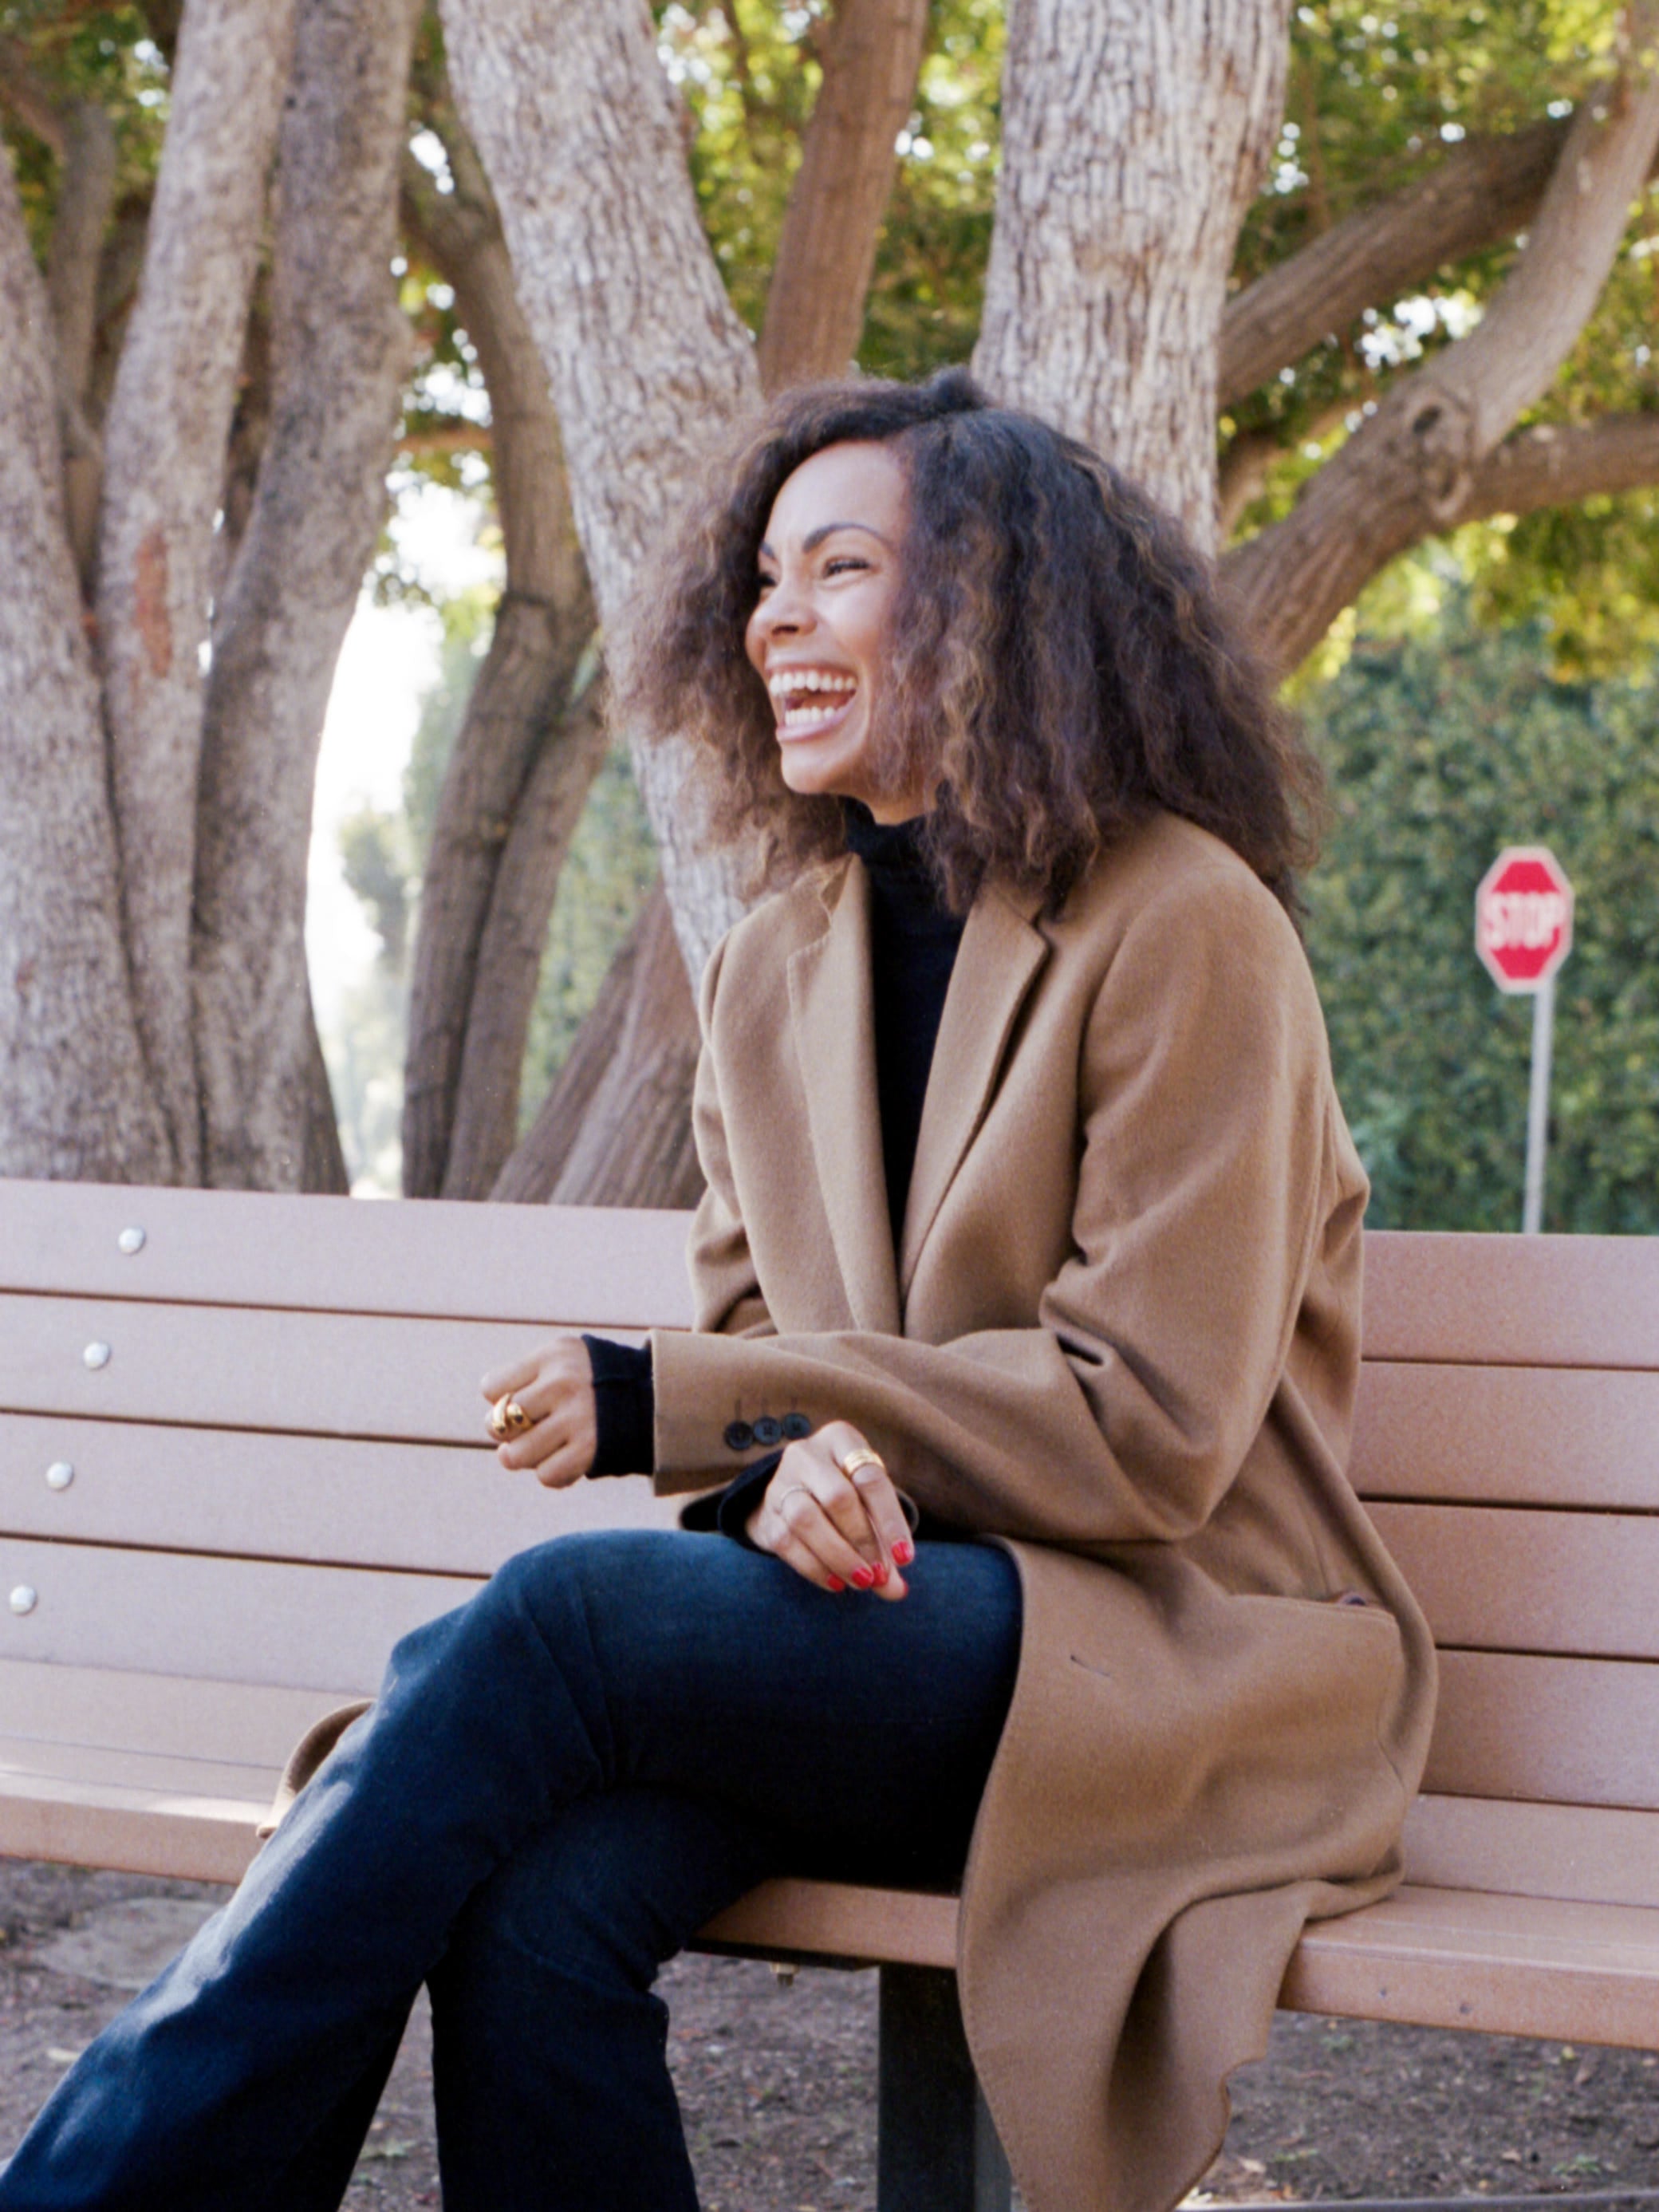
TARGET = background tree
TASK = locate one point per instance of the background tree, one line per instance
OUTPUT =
(1382, 267)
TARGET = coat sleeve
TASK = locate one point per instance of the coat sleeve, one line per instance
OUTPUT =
(1123, 1414)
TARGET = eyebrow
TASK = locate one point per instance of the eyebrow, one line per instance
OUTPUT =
(814, 538)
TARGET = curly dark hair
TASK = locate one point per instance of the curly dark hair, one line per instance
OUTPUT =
(1062, 664)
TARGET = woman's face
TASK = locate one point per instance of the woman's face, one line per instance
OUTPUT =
(829, 570)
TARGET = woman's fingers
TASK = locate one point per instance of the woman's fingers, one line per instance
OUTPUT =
(852, 1531)
(517, 1375)
(804, 1526)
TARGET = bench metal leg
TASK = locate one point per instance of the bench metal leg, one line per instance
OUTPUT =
(936, 2144)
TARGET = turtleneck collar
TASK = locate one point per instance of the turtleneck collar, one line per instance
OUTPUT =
(895, 857)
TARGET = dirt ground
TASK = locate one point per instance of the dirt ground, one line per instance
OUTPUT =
(778, 2083)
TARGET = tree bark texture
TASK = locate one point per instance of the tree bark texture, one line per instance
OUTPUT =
(614, 1130)
(520, 769)
(486, 1127)
(827, 249)
(86, 199)
(1133, 138)
(649, 362)
(1411, 469)
(1559, 464)
(164, 456)
(339, 349)
(75, 1097)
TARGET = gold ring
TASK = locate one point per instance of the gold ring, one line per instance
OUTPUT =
(794, 1487)
(507, 1418)
(861, 1456)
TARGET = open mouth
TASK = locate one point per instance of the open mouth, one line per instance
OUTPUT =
(808, 700)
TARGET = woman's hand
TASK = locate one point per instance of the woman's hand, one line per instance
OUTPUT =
(835, 1529)
(555, 1385)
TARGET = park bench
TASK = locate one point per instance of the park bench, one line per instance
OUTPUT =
(240, 1454)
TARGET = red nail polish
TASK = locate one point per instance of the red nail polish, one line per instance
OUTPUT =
(903, 1553)
(836, 1583)
(880, 1572)
(864, 1576)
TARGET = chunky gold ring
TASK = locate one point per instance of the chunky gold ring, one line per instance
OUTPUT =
(507, 1418)
(861, 1456)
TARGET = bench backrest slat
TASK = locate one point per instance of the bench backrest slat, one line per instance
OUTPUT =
(249, 1367)
(445, 1509)
(1558, 1731)
(1508, 1436)
(614, 1266)
(1512, 1301)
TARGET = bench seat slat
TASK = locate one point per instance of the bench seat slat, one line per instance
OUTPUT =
(1556, 1731)
(245, 1367)
(1598, 1854)
(1493, 1964)
(1475, 1571)
(1512, 1301)
(232, 1621)
(622, 1266)
(443, 1508)
(1570, 1437)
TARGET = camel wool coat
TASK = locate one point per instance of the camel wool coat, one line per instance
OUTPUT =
(1120, 1337)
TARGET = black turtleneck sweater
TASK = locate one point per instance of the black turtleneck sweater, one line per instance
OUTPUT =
(913, 948)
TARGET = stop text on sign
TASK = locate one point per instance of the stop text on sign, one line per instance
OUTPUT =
(1523, 917)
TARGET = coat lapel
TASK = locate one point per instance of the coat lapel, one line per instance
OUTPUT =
(996, 964)
(834, 1019)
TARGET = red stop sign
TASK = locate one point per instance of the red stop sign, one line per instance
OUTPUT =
(1523, 917)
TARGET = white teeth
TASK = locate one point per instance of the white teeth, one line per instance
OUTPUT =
(807, 718)
(788, 680)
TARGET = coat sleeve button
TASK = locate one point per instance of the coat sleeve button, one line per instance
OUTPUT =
(767, 1432)
(795, 1426)
(738, 1436)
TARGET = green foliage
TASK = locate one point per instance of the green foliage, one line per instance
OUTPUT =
(1377, 94)
(749, 71)
(104, 54)
(1440, 751)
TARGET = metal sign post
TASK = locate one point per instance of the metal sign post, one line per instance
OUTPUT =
(1523, 932)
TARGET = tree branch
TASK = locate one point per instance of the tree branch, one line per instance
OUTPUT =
(1409, 470)
(164, 452)
(339, 349)
(29, 98)
(86, 199)
(826, 250)
(522, 766)
(1559, 464)
(1484, 190)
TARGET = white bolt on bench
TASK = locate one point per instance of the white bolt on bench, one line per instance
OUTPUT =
(241, 1455)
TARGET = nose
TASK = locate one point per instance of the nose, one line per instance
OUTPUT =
(785, 611)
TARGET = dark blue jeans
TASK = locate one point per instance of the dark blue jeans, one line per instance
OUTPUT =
(561, 1783)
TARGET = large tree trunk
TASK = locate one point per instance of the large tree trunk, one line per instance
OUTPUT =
(164, 459)
(581, 137)
(522, 766)
(614, 1129)
(648, 365)
(1133, 140)
(1415, 466)
(75, 1098)
(339, 350)
(827, 251)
